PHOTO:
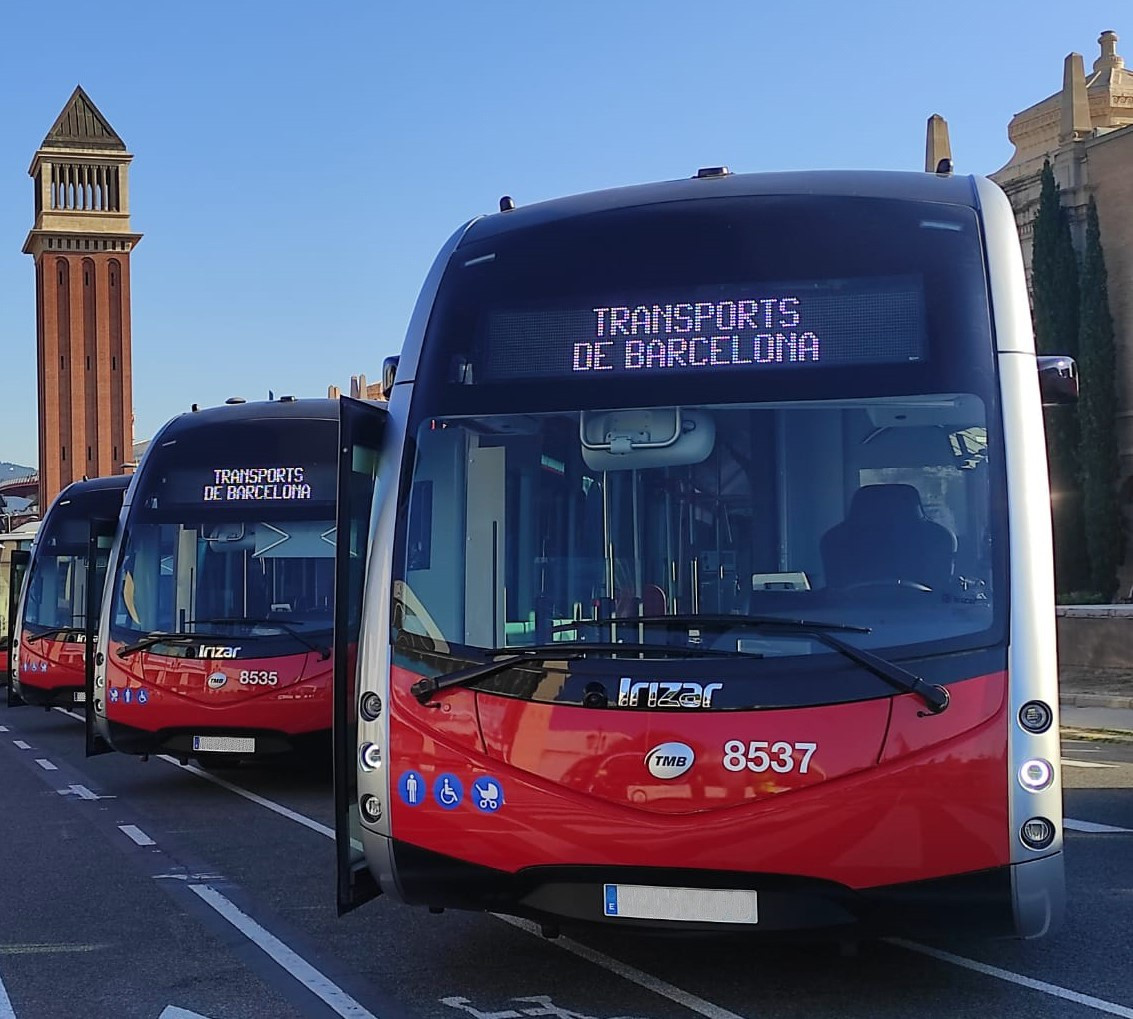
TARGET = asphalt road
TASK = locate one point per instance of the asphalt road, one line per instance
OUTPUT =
(148, 889)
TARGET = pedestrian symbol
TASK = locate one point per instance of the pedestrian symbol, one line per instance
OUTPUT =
(448, 791)
(411, 786)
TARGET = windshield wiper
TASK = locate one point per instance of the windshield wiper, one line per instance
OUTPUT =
(150, 639)
(55, 631)
(288, 628)
(935, 696)
(567, 650)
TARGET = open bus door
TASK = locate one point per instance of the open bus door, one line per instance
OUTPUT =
(361, 427)
(17, 569)
(98, 556)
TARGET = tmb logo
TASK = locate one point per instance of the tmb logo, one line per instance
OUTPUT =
(217, 651)
(669, 760)
(665, 695)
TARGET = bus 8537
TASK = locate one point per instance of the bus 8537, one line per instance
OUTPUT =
(709, 579)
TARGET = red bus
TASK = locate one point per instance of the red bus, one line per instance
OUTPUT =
(708, 583)
(215, 638)
(50, 638)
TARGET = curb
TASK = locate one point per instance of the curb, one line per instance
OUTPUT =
(1095, 700)
(1099, 735)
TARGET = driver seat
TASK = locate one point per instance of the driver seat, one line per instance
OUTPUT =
(887, 537)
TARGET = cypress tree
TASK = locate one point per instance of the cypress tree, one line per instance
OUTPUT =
(1055, 287)
(1097, 359)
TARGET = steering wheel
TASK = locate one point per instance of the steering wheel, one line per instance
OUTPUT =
(889, 582)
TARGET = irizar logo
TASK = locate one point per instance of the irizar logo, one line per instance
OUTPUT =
(669, 760)
(665, 695)
(217, 651)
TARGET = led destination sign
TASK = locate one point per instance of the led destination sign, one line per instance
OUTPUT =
(738, 328)
(257, 484)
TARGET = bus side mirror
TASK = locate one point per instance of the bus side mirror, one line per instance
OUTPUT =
(1058, 379)
(389, 375)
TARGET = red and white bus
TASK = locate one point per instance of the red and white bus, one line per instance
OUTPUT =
(708, 581)
(215, 639)
(49, 641)
(14, 549)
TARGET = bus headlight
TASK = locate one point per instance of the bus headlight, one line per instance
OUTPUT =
(371, 808)
(1036, 775)
(370, 754)
(1035, 716)
(1037, 833)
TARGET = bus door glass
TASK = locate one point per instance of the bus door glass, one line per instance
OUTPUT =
(98, 555)
(361, 426)
(17, 569)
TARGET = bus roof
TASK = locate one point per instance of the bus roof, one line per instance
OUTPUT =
(893, 184)
(259, 410)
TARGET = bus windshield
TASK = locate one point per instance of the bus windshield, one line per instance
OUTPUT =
(231, 533)
(56, 584)
(768, 407)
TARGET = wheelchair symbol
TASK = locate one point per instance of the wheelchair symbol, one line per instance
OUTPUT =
(447, 791)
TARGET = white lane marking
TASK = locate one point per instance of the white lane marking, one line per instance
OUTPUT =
(136, 835)
(21, 744)
(1088, 1000)
(334, 996)
(45, 764)
(277, 808)
(1093, 827)
(627, 972)
(4, 728)
(1066, 763)
(173, 1012)
(74, 715)
(6, 1010)
(636, 976)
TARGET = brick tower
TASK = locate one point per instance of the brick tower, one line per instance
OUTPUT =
(81, 243)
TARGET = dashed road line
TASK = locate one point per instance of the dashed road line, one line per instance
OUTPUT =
(291, 962)
(1067, 763)
(21, 744)
(136, 835)
(4, 728)
(1088, 1000)
(45, 764)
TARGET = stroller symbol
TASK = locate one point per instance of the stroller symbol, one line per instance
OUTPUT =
(488, 794)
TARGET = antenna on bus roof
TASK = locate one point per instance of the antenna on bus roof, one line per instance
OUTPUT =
(507, 203)
(194, 408)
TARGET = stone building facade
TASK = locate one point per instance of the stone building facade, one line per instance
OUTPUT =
(1086, 131)
(81, 242)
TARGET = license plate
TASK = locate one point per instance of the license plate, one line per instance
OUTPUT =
(692, 905)
(80, 697)
(225, 744)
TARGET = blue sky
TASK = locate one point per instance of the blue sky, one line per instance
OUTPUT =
(297, 165)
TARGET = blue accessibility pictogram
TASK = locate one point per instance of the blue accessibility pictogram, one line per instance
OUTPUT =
(142, 697)
(411, 786)
(114, 695)
(488, 794)
(448, 791)
(127, 695)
